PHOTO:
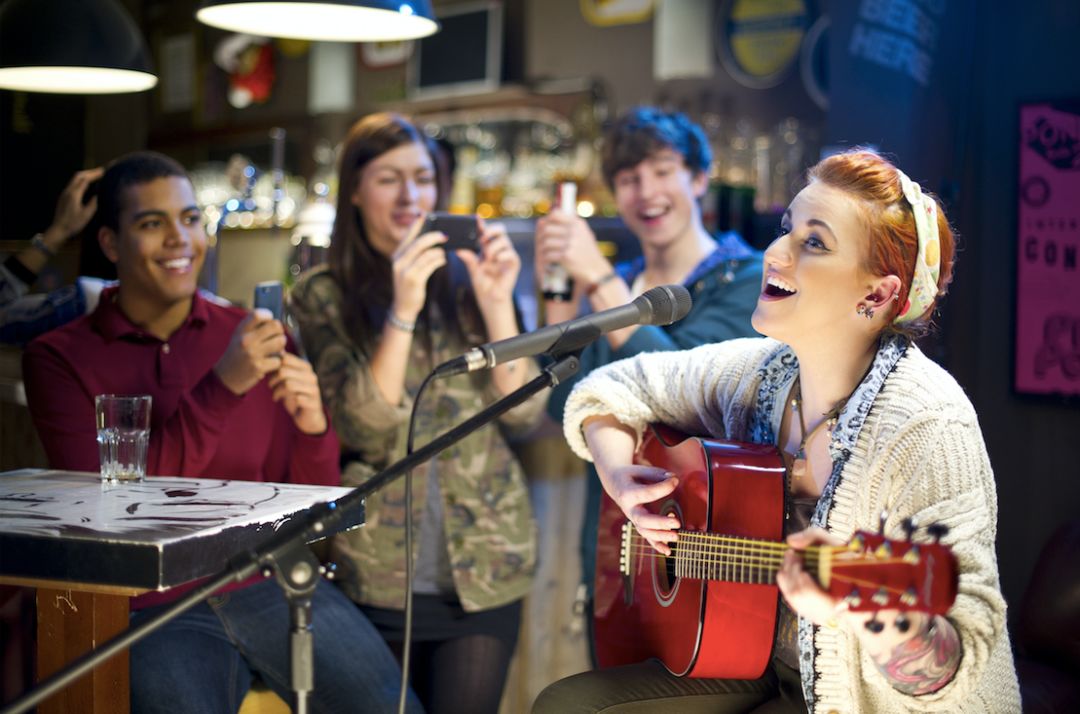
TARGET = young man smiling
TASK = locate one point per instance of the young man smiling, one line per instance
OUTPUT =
(657, 165)
(230, 400)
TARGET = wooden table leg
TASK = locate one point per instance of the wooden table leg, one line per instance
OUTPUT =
(71, 623)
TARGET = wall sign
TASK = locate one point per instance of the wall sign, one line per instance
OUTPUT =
(758, 41)
(1047, 348)
(616, 12)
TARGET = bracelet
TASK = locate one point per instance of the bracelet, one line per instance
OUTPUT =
(400, 324)
(38, 241)
(604, 280)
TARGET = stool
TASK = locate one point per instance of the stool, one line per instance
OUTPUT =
(260, 699)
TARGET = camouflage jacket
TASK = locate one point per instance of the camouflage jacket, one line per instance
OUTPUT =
(490, 533)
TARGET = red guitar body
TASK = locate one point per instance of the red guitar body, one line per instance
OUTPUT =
(697, 628)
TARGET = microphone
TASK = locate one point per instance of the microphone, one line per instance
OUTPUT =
(662, 305)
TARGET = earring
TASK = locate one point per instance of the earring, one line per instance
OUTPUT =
(864, 310)
(895, 295)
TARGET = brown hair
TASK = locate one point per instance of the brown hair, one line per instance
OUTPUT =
(643, 131)
(362, 273)
(894, 241)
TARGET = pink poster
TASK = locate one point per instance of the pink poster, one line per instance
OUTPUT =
(1047, 274)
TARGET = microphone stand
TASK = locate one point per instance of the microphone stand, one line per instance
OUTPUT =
(287, 557)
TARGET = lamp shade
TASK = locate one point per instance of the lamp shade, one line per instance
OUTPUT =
(71, 47)
(325, 20)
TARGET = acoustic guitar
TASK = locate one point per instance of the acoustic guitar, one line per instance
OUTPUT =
(710, 609)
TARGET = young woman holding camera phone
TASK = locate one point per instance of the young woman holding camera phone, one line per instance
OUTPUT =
(390, 306)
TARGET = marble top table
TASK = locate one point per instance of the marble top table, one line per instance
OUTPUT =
(86, 546)
(148, 535)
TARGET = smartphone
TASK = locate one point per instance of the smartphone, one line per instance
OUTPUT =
(462, 232)
(270, 295)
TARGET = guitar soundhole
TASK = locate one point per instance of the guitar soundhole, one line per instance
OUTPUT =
(669, 571)
(665, 579)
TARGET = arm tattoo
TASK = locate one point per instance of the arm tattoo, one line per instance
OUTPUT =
(926, 662)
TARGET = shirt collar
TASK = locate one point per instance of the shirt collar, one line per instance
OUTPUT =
(729, 246)
(109, 320)
(782, 367)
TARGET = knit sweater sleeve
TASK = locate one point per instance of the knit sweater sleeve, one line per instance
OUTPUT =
(687, 390)
(932, 466)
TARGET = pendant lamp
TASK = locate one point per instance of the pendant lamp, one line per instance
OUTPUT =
(71, 47)
(325, 20)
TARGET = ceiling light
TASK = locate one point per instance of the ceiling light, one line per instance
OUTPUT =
(334, 21)
(71, 47)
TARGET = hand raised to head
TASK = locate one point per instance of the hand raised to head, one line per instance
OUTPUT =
(72, 214)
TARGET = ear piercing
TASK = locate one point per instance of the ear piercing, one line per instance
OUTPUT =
(864, 310)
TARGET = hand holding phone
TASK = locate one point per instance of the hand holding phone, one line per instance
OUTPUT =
(270, 295)
(462, 232)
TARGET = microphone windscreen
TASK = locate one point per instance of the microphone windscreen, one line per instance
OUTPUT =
(664, 304)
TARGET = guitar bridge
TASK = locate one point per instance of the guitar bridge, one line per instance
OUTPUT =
(624, 548)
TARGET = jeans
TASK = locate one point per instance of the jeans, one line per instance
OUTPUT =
(203, 661)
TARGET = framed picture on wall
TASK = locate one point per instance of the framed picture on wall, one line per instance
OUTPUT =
(1047, 336)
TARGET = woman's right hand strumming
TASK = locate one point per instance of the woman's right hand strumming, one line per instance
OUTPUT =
(630, 486)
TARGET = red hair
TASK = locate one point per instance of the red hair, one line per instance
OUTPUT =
(894, 242)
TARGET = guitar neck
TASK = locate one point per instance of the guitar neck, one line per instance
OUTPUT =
(711, 556)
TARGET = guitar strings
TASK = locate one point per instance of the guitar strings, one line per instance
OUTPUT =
(771, 564)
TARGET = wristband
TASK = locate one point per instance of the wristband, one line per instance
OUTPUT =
(38, 241)
(602, 281)
(400, 324)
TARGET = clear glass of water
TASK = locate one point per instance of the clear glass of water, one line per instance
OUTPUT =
(123, 431)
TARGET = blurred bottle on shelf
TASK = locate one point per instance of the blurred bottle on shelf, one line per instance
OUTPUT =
(762, 173)
(787, 164)
(556, 285)
(310, 238)
(463, 192)
(735, 194)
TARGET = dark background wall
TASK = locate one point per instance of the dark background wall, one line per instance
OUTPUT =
(1023, 52)
(1019, 51)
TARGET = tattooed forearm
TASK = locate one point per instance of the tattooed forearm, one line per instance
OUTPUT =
(926, 662)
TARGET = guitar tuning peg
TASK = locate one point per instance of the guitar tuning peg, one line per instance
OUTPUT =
(853, 599)
(910, 525)
(882, 517)
(902, 622)
(874, 625)
(937, 531)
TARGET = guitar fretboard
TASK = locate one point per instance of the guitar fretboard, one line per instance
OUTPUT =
(712, 556)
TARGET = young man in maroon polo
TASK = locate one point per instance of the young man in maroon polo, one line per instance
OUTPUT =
(230, 400)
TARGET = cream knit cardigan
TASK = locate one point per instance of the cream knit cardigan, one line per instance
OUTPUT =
(919, 454)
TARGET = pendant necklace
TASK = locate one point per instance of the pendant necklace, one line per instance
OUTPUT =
(798, 463)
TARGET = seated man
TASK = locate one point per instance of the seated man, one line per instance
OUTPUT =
(230, 400)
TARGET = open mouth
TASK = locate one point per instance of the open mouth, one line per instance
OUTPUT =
(778, 288)
(653, 214)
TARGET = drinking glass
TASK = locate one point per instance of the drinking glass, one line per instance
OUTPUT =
(123, 431)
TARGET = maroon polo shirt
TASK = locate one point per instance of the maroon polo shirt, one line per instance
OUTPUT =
(198, 427)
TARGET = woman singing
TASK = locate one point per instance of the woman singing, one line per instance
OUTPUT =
(866, 424)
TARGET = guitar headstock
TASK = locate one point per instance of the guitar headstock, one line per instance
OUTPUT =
(875, 573)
